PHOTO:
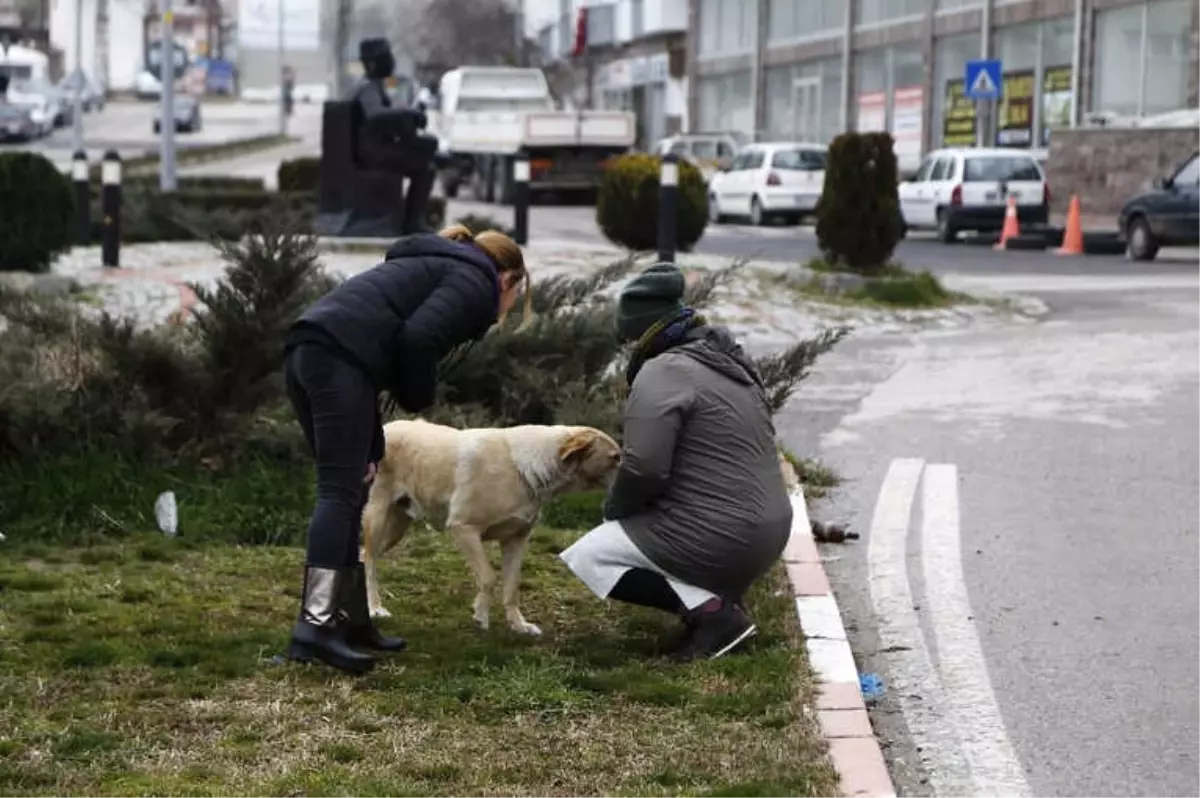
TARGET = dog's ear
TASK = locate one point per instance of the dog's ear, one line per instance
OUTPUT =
(576, 445)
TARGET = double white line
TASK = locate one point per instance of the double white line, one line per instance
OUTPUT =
(950, 710)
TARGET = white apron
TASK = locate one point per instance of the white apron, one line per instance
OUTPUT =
(601, 557)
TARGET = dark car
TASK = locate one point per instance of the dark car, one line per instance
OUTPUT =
(1166, 216)
(16, 123)
(187, 115)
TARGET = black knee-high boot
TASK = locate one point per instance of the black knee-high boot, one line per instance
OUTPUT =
(355, 616)
(317, 633)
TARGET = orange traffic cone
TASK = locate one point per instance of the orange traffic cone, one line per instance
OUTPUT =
(1072, 243)
(1012, 226)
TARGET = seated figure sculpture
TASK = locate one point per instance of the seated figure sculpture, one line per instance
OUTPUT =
(390, 139)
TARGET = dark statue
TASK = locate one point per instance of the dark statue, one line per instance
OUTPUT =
(369, 149)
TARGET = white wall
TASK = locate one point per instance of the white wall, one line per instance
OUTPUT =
(663, 15)
(125, 51)
(62, 33)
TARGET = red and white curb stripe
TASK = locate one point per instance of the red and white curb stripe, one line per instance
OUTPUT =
(853, 747)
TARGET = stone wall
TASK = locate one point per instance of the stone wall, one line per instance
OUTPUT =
(1108, 166)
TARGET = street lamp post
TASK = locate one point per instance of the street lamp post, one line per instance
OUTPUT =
(77, 99)
(166, 174)
(283, 78)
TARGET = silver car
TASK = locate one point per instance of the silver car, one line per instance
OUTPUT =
(16, 124)
(91, 94)
(186, 112)
(43, 102)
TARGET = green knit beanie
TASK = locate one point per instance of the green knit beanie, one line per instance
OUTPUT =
(653, 294)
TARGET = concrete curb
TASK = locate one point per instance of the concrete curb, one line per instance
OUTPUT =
(853, 747)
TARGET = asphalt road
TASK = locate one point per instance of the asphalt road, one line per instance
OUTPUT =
(1027, 581)
(799, 244)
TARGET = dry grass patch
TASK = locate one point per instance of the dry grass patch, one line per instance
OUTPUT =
(142, 666)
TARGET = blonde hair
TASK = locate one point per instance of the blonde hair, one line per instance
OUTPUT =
(502, 251)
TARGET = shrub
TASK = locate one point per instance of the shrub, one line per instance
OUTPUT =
(858, 217)
(211, 392)
(300, 174)
(627, 203)
(209, 387)
(37, 210)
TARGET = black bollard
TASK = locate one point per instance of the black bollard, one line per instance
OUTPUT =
(83, 198)
(521, 198)
(489, 180)
(668, 207)
(110, 209)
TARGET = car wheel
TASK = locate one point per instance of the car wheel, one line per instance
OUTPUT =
(947, 233)
(714, 210)
(757, 215)
(1141, 243)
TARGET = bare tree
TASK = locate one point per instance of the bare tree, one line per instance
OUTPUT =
(443, 34)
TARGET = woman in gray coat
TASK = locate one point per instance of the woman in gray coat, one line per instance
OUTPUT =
(698, 509)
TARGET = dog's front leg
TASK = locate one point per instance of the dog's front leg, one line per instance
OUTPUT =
(513, 553)
(470, 540)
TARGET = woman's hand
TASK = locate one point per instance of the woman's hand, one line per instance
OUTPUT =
(372, 470)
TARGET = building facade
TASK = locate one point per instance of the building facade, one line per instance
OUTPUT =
(635, 60)
(808, 69)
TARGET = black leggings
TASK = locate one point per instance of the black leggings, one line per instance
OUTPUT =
(647, 589)
(338, 408)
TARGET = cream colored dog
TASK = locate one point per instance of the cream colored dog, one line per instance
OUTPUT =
(484, 484)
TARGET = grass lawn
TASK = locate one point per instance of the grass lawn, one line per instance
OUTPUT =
(141, 665)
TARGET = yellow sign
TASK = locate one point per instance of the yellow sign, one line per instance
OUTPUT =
(1056, 100)
(1015, 125)
(958, 130)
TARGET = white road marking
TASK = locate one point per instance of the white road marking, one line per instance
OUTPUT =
(914, 682)
(970, 702)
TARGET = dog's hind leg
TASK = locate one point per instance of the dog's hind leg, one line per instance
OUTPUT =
(470, 540)
(384, 525)
(513, 553)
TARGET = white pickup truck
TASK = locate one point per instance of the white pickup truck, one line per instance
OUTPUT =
(486, 115)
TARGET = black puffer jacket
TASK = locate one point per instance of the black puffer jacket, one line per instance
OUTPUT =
(399, 319)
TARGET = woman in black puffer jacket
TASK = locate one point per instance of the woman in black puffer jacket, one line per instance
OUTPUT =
(383, 329)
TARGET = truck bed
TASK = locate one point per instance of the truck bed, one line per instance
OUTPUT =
(507, 132)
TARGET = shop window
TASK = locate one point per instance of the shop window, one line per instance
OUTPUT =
(727, 26)
(875, 12)
(724, 103)
(791, 20)
(1140, 64)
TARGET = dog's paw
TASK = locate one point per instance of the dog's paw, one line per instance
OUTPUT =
(526, 628)
(481, 621)
(380, 612)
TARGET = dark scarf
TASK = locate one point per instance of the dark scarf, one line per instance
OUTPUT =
(664, 334)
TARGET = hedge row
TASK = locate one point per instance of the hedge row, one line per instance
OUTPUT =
(37, 206)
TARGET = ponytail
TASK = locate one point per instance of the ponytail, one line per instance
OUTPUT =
(504, 254)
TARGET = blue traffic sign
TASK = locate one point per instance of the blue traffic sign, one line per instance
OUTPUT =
(983, 80)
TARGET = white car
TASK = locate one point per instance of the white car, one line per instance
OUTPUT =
(968, 189)
(773, 180)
